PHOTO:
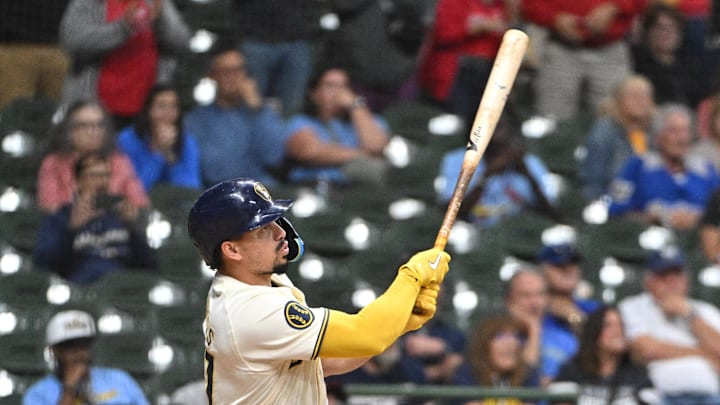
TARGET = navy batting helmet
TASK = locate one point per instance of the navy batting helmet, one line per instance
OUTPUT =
(229, 209)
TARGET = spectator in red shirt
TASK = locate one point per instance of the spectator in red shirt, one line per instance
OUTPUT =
(462, 44)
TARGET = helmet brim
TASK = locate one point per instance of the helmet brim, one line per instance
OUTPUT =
(272, 214)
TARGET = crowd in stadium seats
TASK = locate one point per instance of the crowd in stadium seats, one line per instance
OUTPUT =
(591, 221)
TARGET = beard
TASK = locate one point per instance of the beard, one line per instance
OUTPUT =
(280, 268)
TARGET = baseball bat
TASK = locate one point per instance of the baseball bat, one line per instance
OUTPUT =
(502, 76)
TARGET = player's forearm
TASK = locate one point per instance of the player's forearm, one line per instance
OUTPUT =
(375, 327)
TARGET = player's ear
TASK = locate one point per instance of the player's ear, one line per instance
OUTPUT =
(231, 250)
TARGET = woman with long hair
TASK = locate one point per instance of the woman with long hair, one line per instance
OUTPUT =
(602, 369)
(495, 358)
(160, 149)
(86, 128)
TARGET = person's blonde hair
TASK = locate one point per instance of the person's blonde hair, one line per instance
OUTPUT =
(609, 105)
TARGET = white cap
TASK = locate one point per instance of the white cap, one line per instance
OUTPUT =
(68, 325)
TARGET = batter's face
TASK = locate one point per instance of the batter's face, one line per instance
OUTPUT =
(263, 250)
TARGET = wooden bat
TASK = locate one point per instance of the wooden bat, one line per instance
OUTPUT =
(502, 76)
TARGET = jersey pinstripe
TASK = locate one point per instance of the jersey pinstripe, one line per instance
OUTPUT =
(262, 344)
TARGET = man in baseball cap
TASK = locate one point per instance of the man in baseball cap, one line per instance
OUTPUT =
(566, 312)
(70, 334)
(673, 334)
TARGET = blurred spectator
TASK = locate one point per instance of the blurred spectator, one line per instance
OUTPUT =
(667, 186)
(507, 181)
(70, 336)
(460, 51)
(31, 63)
(382, 71)
(586, 43)
(698, 32)
(277, 39)
(115, 47)
(440, 347)
(710, 229)
(675, 75)
(389, 367)
(614, 137)
(602, 368)
(238, 134)
(677, 337)
(159, 147)
(561, 267)
(549, 344)
(704, 110)
(85, 128)
(338, 139)
(495, 358)
(97, 233)
(709, 147)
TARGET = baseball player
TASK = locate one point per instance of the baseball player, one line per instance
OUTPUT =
(263, 344)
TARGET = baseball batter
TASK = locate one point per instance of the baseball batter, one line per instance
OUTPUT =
(263, 343)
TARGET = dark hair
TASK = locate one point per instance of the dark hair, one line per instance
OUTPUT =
(479, 349)
(142, 122)
(87, 160)
(588, 355)
(221, 47)
(309, 107)
(60, 133)
(653, 14)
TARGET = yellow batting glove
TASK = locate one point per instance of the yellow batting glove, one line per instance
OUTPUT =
(427, 267)
(424, 309)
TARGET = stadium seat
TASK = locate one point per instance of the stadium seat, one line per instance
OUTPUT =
(179, 261)
(520, 235)
(20, 228)
(143, 355)
(327, 233)
(181, 324)
(22, 353)
(38, 289)
(173, 202)
(136, 291)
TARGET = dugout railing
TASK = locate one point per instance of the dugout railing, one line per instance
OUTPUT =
(445, 394)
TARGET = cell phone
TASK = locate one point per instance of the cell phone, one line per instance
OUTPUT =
(107, 202)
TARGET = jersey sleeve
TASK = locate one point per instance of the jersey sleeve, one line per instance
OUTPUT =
(279, 327)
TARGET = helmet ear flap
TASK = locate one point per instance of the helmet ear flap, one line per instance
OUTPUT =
(295, 242)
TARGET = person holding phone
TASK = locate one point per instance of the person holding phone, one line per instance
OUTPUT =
(97, 233)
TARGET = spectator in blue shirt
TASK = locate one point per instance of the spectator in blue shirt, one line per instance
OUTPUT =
(507, 181)
(549, 343)
(669, 186)
(97, 233)
(158, 146)
(239, 135)
(337, 139)
(560, 264)
(74, 380)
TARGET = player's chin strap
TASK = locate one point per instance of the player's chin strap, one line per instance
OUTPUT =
(295, 242)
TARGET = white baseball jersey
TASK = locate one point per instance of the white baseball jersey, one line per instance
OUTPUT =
(262, 344)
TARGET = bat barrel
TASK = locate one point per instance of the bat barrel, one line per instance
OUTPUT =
(502, 76)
